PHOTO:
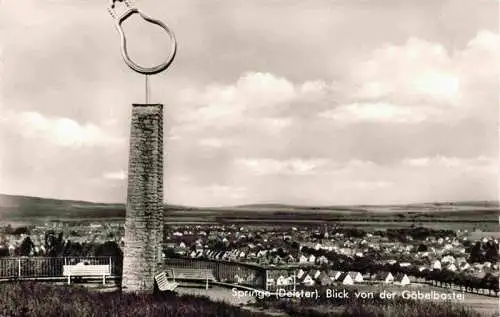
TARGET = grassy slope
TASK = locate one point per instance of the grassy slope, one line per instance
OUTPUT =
(36, 299)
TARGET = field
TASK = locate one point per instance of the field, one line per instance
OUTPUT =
(24, 208)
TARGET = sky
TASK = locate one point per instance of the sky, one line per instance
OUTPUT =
(317, 102)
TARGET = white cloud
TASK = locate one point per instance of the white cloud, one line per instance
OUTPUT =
(212, 142)
(294, 166)
(256, 100)
(422, 81)
(228, 105)
(119, 175)
(417, 69)
(314, 87)
(59, 131)
(378, 112)
(426, 70)
(480, 163)
(442, 86)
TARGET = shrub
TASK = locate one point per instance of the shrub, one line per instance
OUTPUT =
(31, 299)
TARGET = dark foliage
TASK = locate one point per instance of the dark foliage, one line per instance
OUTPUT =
(35, 299)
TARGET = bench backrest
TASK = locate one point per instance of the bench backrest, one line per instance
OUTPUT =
(86, 270)
(190, 274)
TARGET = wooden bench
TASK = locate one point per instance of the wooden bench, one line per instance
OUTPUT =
(164, 284)
(82, 270)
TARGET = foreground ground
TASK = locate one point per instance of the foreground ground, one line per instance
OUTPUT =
(39, 299)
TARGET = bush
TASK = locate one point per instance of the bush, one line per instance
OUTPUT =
(31, 299)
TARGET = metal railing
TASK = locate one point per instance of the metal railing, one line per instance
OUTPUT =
(30, 267)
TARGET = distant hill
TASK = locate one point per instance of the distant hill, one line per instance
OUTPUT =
(19, 207)
(14, 206)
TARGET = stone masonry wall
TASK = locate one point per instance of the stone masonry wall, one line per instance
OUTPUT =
(144, 210)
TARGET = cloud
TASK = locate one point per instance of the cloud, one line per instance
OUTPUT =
(478, 164)
(422, 81)
(60, 131)
(378, 112)
(276, 117)
(254, 100)
(228, 104)
(119, 175)
(418, 69)
(214, 142)
(294, 166)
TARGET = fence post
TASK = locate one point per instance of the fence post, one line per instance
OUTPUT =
(19, 267)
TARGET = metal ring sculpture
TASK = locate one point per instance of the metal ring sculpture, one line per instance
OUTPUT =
(120, 18)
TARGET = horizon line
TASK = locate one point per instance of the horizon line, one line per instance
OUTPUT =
(497, 201)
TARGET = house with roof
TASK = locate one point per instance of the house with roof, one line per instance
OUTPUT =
(385, 277)
(322, 260)
(323, 279)
(464, 266)
(314, 273)
(356, 276)
(334, 275)
(290, 259)
(345, 279)
(307, 280)
(422, 268)
(448, 259)
(300, 273)
(276, 260)
(303, 259)
(401, 279)
(436, 265)
(282, 281)
(451, 267)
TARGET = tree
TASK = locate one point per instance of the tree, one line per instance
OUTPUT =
(54, 245)
(4, 252)
(458, 279)
(109, 248)
(448, 277)
(491, 253)
(26, 248)
(422, 248)
(476, 253)
(113, 250)
(485, 282)
(72, 249)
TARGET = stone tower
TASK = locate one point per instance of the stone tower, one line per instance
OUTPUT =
(144, 211)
